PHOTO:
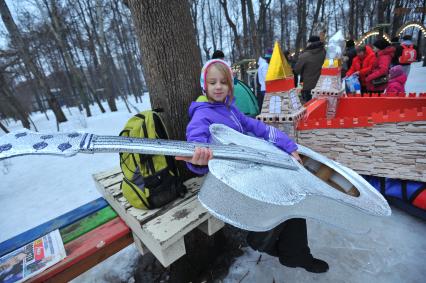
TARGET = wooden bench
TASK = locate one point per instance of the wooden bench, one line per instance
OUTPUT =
(90, 233)
(159, 231)
(93, 232)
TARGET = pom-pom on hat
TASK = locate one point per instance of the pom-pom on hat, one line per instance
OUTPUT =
(203, 76)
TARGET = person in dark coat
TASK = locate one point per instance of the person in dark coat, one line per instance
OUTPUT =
(350, 53)
(309, 66)
(384, 53)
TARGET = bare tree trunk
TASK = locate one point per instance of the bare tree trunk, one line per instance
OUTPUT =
(3, 127)
(233, 27)
(58, 32)
(317, 11)
(194, 14)
(172, 84)
(253, 30)
(301, 22)
(212, 20)
(351, 18)
(206, 49)
(107, 64)
(13, 102)
(245, 28)
(24, 52)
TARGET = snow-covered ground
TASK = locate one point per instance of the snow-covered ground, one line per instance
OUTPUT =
(35, 189)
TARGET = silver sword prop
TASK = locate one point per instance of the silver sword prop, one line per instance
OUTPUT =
(69, 144)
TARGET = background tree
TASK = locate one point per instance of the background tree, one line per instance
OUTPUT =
(170, 58)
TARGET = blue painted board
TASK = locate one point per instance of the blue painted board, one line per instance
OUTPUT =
(57, 223)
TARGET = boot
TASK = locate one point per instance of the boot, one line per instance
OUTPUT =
(293, 247)
(266, 242)
(310, 264)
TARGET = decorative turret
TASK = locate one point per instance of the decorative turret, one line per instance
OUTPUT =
(329, 85)
(281, 106)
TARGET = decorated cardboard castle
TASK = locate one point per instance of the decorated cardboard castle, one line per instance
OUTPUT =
(374, 134)
(281, 106)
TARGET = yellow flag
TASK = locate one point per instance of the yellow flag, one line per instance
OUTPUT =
(278, 66)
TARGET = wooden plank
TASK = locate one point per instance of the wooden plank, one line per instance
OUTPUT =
(101, 175)
(175, 223)
(57, 223)
(111, 180)
(90, 222)
(87, 251)
(211, 226)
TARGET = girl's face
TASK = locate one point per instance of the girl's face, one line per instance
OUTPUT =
(217, 85)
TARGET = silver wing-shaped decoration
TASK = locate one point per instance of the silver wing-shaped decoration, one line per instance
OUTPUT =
(258, 197)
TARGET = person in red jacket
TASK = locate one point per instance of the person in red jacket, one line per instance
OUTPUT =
(397, 79)
(376, 81)
(362, 64)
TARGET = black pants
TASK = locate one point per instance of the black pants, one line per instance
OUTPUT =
(260, 98)
(306, 95)
(289, 240)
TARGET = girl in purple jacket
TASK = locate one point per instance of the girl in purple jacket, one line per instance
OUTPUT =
(289, 240)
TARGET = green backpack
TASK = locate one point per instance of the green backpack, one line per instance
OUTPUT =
(149, 181)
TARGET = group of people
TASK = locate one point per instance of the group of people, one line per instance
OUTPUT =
(382, 67)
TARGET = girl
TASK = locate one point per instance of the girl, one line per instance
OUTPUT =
(397, 79)
(289, 240)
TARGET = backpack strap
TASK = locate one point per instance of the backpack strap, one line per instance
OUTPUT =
(162, 134)
(142, 158)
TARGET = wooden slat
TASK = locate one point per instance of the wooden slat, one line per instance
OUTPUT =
(87, 251)
(57, 223)
(87, 224)
(176, 222)
(102, 175)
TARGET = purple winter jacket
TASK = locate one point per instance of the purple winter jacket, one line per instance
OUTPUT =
(203, 114)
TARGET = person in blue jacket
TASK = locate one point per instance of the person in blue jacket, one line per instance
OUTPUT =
(289, 240)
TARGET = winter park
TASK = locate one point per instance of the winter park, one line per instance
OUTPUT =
(212, 141)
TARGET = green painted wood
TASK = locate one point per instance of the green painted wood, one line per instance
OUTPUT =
(87, 224)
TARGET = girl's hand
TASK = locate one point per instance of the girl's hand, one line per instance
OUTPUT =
(201, 156)
(297, 157)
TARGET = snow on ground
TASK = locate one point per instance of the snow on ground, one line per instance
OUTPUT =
(35, 189)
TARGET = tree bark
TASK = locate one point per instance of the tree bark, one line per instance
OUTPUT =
(24, 52)
(245, 28)
(233, 27)
(13, 102)
(301, 22)
(169, 52)
(253, 30)
(58, 32)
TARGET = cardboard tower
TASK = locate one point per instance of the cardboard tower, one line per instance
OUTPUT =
(281, 107)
